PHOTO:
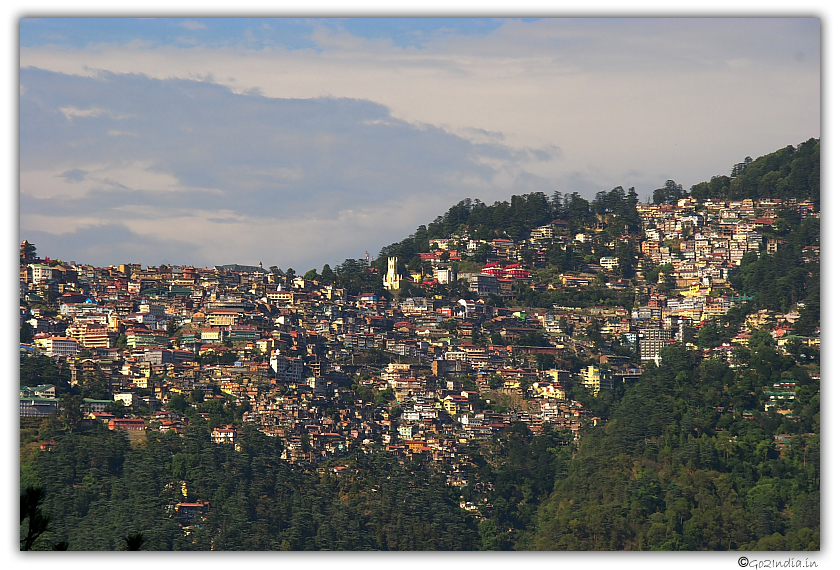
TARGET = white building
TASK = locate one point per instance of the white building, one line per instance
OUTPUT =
(391, 281)
(127, 399)
(58, 345)
(609, 262)
(445, 275)
(41, 273)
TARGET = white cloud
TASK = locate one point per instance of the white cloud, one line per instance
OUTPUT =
(193, 25)
(576, 84)
(340, 40)
(240, 167)
(365, 126)
(57, 225)
(86, 180)
(72, 112)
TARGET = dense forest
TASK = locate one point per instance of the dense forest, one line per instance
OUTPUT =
(790, 172)
(685, 458)
(789, 276)
(515, 219)
(691, 472)
(100, 488)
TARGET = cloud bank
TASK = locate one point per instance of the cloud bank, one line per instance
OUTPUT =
(192, 172)
(301, 142)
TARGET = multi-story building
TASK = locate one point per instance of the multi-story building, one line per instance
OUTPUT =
(595, 379)
(58, 345)
(222, 318)
(41, 273)
(484, 285)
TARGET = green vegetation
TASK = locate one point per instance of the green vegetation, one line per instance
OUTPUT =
(685, 476)
(30, 511)
(787, 173)
(783, 280)
(39, 369)
(691, 473)
(100, 490)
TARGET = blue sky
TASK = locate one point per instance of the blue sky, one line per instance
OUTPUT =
(299, 142)
(253, 33)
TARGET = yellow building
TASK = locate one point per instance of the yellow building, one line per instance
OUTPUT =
(222, 318)
(595, 379)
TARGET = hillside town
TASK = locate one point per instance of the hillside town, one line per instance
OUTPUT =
(329, 372)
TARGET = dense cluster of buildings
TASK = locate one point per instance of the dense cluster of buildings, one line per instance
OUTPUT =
(298, 353)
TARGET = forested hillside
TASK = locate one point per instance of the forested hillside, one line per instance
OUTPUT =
(685, 462)
(690, 454)
(791, 275)
(790, 172)
(515, 219)
(99, 488)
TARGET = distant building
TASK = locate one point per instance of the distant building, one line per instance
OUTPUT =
(445, 275)
(391, 281)
(650, 349)
(126, 398)
(595, 379)
(127, 424)
(484, 285)
(236, 268)
(227, 435)
(58, 345)
(42, 391)
(609, 262)
(37, 407)
(187, 512)
(41, 273)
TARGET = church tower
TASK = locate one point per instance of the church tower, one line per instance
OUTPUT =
(391, 281)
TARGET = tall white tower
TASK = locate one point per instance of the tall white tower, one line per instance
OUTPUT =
(391, 281)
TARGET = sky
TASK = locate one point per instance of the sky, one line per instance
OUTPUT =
(300, 142)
